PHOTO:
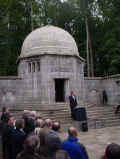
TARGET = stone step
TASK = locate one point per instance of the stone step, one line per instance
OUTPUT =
(42, 107)
(98, 115)
(59, 113)
(103, 123)
(56, 112)
(100, 109)
(55, 104)
(103, 120)
(102, 115)
(53, 118)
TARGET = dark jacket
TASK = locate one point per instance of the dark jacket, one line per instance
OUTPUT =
(29, 125)
(6, 141)
(26, 155)
(17, 139)
(5, 117)
(74, 149)
(73, 102)
(4, 120)
(52, 141)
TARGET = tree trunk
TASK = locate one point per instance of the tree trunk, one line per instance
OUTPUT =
(91, 56)
(31, 14)
(87, 46)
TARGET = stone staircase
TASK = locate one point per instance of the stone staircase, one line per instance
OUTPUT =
(56, 112)
(100, 116)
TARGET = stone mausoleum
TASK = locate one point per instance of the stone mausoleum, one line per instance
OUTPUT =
(49, 68)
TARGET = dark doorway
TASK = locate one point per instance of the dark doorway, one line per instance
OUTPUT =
(59, 90)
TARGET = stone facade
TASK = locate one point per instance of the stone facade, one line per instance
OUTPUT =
(39, 82)
(49, 68)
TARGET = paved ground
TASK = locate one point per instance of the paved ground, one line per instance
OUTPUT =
(95, 140)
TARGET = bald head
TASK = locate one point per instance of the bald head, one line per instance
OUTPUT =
(56, 126)
(48, 123)
(72, 132)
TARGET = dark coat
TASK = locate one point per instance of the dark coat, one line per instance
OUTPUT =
(26, 155)
(17, 140)
(105, 97)
(52, 141)
(5, 117)
(4, 120)
(6, 141)
(73, 102)
(29, 125)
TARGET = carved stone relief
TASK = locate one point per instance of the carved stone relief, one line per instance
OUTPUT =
(8, 99)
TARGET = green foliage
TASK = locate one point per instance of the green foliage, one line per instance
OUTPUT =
(19, 18)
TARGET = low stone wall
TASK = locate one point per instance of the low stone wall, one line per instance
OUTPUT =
(112, 86)
(93, 90)
(11, 90)
(95, 86)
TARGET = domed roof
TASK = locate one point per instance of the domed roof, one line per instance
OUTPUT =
(49, 40)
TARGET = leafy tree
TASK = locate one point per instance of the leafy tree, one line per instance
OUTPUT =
(19, 18)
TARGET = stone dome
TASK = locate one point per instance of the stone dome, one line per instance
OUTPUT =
(49, 40)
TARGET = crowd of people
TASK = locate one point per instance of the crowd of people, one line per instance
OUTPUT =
(34, 138)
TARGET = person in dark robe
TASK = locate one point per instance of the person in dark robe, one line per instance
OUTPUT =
(105, 97)
(73, 103)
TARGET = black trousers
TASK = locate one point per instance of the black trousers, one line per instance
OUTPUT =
(117, 109)
(72, 113)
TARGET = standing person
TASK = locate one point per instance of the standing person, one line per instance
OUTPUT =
(4, 116)
(117, 109)
(56, 127)
(73, 103)
(61, 154)
(6, 138)
(105, 98)
(29, 123)
(18, 137)
(112, 152)
(74, 149)
(31, 148)
(38, 126)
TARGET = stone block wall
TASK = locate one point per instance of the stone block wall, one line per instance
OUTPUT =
(10, 91)
(112, 86)
(95, 86)
(93, 90)
(40, 85)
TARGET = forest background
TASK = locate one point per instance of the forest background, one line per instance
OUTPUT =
(19, 17)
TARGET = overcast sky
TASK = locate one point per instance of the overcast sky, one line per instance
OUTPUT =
(63, 0)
